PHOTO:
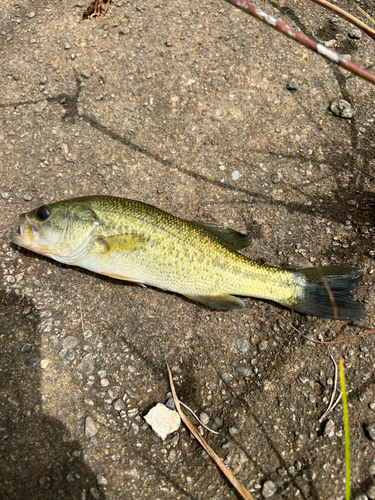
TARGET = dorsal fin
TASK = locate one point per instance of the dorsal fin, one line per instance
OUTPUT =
(232, 239)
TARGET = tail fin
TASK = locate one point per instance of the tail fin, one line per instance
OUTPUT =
(341, 280)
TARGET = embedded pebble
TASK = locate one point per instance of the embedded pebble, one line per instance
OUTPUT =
(119, 405)
(226, 377)
(173, 457)
(27, 197)
(263, 346)
(54, 340)
(30, 15)
(113, 392)
(292, 85)
(372, 406)
(355, 33)
(41, 106)
(242, 345)
(236, 175)
(102, 374)
(104, 382)
(123, 30)
(135, 429)
(217, 423)
(269, 489)
(227, 445)
(294, 176)
(329, 430)
(90, 428)
(371, 430)
(170, 404)
(245, 371)
(69, 342)
(303, 379)
(33, 364)
(342, 109)
(44, 363)
(62, 353)
(204, 418)
(233, 431)
(70, 355)
(87, 364)
(162, 420)
(87, 73)
(26, 348)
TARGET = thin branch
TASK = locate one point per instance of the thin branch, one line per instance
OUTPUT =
(303, 40)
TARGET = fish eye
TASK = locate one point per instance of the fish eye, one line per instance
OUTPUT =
(43, 213)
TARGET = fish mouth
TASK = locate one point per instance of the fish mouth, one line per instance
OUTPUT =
(29, 234)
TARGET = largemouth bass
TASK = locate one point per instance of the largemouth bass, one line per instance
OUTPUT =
(133, 241)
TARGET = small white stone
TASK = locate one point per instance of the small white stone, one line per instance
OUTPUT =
(44, 363)
(162, 420)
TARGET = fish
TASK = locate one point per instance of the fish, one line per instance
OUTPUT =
(136, 242)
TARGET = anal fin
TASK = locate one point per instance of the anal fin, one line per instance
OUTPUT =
(222, 301)
(124, 278)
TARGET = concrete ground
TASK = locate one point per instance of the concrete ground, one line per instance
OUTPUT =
(184, 105)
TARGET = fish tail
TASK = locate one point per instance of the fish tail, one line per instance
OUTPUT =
(327, 292)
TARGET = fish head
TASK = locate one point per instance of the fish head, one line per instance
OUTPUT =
(61, 230)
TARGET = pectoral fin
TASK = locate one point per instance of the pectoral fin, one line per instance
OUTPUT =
(231, 238)
(121, 242)
(222, 301)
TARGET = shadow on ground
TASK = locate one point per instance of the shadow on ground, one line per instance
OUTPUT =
(37, 453)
